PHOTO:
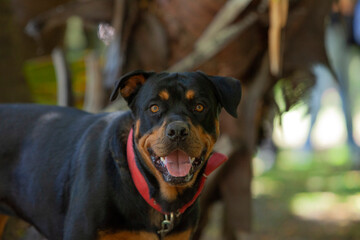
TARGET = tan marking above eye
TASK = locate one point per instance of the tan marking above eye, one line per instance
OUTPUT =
(190, 94)
(154, 108)
(199, 107)
(164, 95)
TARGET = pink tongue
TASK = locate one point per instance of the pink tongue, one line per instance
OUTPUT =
(178, 163)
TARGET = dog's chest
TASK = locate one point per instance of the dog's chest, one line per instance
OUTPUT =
(128, 235)
(156, 220)
(141, 235)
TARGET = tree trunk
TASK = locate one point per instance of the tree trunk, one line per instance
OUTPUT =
(13, 87)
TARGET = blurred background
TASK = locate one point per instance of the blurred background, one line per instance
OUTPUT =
(294, 166)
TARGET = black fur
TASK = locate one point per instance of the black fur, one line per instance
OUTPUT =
(65, 170)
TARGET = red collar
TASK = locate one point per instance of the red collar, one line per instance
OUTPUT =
(215, 160)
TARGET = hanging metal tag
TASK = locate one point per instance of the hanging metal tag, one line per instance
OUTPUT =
(167, 224)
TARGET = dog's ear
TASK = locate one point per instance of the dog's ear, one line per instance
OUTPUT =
(228, 92)
(129, 84)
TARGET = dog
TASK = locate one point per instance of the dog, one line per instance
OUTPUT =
(123, 175)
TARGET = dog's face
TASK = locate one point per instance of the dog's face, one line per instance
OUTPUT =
(176, 119)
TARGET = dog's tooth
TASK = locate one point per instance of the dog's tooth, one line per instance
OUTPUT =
(162, 159)
(192, 159)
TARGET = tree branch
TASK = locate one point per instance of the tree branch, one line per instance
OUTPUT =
(213, 45)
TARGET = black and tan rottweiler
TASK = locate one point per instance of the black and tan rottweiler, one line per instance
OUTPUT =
(123, 175)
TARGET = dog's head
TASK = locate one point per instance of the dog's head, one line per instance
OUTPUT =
(176, 119)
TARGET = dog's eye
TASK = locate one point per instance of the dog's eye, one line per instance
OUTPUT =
(199, 107)
(154, 108)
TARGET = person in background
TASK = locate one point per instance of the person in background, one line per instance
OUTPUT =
(342, 33)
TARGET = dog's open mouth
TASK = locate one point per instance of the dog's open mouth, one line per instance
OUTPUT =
(177, 167)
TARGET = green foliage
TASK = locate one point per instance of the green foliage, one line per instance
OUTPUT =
(41, 78)
(40, 75)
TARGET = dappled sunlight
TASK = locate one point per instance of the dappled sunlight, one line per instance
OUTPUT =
(326, 207)
(352, 180)
(357, 128)
(259, 166)
(329, 130)
(316, 183)
(265, 187)
(344, 183)
(311, 191)
(294, 160)
(293, 129)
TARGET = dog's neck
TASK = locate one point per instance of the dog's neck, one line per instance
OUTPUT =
(146, 183)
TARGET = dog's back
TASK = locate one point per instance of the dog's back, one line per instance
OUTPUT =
(38, 154)
(31, 159)
(37, 131)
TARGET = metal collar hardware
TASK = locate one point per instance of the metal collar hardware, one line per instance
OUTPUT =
(167, 225)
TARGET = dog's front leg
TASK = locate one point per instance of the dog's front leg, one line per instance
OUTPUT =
(80, 220)
(79, 227)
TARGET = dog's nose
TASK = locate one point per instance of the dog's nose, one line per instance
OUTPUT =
(177, 131)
